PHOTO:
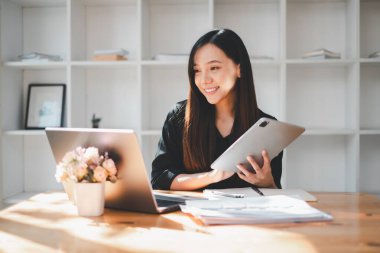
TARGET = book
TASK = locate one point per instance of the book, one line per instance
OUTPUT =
(254, 210)
(321, 53)
(111, 57)
(251, 192)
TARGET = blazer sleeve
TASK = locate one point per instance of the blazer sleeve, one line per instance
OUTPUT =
(168, 162)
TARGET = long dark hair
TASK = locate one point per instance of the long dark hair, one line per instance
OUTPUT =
(199, 132)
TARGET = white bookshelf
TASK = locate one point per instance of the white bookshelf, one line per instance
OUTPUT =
(336, 100)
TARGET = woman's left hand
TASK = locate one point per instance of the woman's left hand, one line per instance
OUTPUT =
(263, 176)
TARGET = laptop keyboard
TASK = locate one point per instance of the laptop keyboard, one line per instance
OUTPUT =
(165, 203)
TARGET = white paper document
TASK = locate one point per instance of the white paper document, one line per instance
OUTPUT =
(249, 192)
(254, 210)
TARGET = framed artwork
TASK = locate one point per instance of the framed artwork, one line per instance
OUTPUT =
(45, 106)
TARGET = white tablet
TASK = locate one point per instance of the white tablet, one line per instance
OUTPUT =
(268, 134)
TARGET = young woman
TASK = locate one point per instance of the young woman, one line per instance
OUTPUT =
(220, 107)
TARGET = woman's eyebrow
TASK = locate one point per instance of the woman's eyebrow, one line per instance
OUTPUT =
(214, 61)
(210, 62)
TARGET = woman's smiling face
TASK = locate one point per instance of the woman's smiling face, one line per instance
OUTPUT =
(215, 74)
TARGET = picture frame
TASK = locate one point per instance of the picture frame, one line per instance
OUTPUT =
(45, 106)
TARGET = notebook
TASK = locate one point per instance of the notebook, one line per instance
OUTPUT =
(132, 191)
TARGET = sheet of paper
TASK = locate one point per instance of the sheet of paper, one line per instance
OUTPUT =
(249, 192)
(254, 210)
(298, 193)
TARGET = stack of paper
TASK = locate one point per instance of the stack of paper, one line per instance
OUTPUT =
(110, 55)
(271, 209)
(321, 54)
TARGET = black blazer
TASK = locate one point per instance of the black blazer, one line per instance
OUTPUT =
(168, 162)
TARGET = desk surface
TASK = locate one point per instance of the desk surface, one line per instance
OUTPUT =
(48, 223)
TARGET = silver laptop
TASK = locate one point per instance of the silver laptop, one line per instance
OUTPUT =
(132, 191)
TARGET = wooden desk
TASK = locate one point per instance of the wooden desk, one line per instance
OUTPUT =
(48, 223)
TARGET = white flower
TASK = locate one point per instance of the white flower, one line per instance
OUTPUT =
(84, 165)
(80, 150)
(109, 165)
(69, 157)
(91, 155)
(100, 174)
(61, 174)
(80, 169)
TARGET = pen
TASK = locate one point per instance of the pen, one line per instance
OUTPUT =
(224, 194)
(257, 190)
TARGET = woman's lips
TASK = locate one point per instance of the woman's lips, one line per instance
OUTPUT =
(211, 90)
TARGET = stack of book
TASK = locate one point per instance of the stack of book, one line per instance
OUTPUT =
(171, 57)
(38, 57)
(110, 55)
(321, 54)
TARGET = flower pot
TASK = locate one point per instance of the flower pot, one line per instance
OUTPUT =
(89, 198)
(69, 189)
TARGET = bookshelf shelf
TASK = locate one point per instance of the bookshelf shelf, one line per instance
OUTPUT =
(36, 65)
(331, 62)
(104, 64)
(163, 63)
(370, 132)
(336, 100)
(40, 3)
(24, 132)
(370, 60)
